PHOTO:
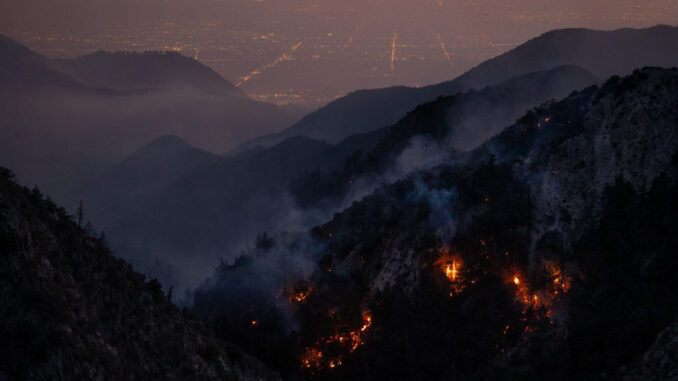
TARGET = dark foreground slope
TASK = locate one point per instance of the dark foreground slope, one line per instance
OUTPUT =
(70, 310)
(547, 253)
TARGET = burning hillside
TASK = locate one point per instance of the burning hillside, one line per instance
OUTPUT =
(496, 266)
(329, 351)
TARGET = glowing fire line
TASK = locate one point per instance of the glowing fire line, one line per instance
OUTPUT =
(350, 341)
(259, 70)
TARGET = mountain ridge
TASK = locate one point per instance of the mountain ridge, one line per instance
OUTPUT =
(613, 53)
(148, 71)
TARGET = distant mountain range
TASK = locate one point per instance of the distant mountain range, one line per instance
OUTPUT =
(66, 120)
(24, 69)
(148, 71)
(602, 53)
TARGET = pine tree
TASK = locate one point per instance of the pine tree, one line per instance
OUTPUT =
(80, 213)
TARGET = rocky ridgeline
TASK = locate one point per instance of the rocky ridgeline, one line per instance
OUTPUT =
(626, 129)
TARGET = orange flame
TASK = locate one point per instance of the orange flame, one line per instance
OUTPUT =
(542, 296)
(313, 357)
(452, 266)
(300, 295)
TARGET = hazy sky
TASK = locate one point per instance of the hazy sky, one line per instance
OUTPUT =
(345, 44)
(246, 13)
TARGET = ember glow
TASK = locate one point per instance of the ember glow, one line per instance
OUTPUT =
(341, 343)
(545, 293)
(312, 358)
(451, 271)
(300, 295)
(543, 121)
(297, 292)
(451, 266)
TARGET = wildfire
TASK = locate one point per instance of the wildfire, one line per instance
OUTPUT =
(451, 271)
(299, 292)
(544, 294)
(451, 266)
(367, 322)
(312, 358)
(346, 341)
(300, 296)
(561, 282)
(543, 121)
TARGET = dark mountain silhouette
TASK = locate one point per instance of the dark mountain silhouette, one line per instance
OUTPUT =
(71, 310)
(439, 128)
(67, 120)
(547, 252)
(22, 68)
(211, 208)
(129, 71)
(602, 53)
(156, 165)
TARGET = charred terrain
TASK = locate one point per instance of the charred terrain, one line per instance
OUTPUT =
(517, 223)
